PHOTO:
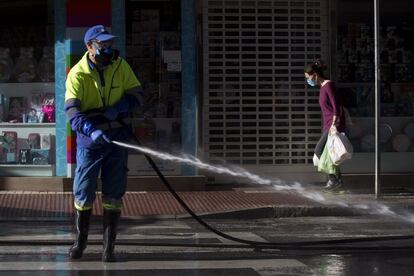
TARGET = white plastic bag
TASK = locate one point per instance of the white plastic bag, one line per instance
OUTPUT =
(339, 147)
(315, 160)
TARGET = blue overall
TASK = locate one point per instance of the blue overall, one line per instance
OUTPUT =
(111, 161)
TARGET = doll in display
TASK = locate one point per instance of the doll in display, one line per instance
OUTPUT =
(48, 109)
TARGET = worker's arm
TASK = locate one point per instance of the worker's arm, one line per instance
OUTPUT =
(132, 99)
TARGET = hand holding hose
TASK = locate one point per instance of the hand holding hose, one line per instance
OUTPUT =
(99, 137)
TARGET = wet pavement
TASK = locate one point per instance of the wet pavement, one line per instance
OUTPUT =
(182, 247)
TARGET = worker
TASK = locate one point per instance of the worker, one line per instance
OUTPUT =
(101, 90)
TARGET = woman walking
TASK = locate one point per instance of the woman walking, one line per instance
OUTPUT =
(332, 113)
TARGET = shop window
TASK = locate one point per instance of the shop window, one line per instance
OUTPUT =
(355, 72)
(27, 118)
(153, 49)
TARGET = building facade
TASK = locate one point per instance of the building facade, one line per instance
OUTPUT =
(224, 78)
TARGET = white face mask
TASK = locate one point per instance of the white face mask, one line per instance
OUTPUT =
(311, 82)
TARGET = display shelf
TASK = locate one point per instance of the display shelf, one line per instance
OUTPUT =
(25, 166)
(18, 125)
(27, 170)
(25, 129)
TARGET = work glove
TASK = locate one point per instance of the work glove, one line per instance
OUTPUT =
(100, 138)
(112, 112)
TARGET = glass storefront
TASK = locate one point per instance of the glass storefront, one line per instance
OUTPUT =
(27, 109)
(150, 34)
(153, 49)
(354, 67)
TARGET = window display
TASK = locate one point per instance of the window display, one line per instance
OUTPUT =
(37, 107)
(27, 111)
(153, 48)
(355, 73)
(355, 66)
(353, 70)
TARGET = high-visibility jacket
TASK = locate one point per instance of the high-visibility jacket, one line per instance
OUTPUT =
(87, 89)
(84, 83)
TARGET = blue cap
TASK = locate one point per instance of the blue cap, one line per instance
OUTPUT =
(97, 32)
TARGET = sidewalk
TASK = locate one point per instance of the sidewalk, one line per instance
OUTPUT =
(235, 203)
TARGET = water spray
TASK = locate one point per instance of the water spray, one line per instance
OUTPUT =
(277, 184)
(372, 208)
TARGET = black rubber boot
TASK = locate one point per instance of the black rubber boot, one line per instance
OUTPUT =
(110, 223)
(82, 229)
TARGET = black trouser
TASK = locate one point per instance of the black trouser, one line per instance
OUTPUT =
(320, 146)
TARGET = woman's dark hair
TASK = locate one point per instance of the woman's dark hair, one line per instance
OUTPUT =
(317, 67)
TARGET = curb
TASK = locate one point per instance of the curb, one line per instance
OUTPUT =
(249, 213)
(283, 211)
(277, 212)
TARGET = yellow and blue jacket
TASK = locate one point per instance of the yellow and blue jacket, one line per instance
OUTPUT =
(90, 91)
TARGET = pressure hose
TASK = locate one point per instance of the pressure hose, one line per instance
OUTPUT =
(255, 244)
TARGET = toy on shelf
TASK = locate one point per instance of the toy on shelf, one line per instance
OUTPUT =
(48, 109)
(9, 145)
(34, 140)
(6, 65)
(24, 156)
(25, 68)
(16, 109)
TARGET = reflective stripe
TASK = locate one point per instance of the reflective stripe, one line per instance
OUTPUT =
(83, 208)
(111, 203)
(72, 107)
(70, 112)
(72, 102)
(112, 206)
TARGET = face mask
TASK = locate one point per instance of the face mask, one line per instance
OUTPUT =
(105, 56)
(311, 82)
